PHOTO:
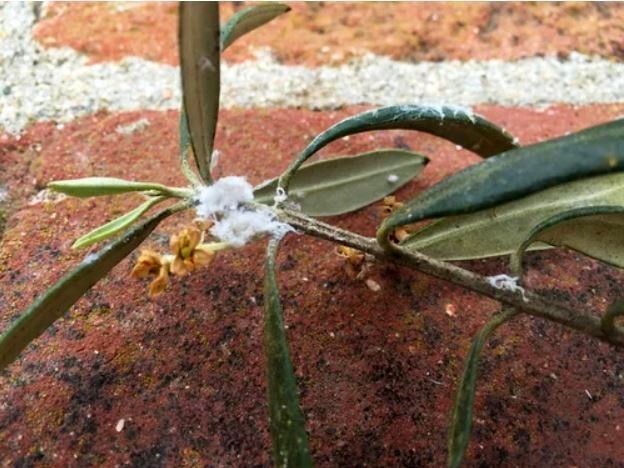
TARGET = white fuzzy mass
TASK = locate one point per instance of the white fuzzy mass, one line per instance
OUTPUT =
(239, 227)
(223, 202)
(224, 195)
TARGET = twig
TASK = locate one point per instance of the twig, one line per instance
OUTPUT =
(525, 301)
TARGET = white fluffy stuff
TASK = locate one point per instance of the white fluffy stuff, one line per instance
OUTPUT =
(507, 283)
(236, 224)
(239, 227)
(226, 194)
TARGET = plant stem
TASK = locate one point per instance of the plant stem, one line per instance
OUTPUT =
(525, 301)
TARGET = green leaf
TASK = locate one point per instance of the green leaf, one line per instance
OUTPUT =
(345, 184)
(200, 67)
(111, 228)
(97, 186)
(516, 173)
(59, 298)
(288, 436)
(461, 419)
(500, 230)
(594, 230)
(456, 124)
(186, 148)
(249, 19)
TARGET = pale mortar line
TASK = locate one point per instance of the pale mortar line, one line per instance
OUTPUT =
(41, 84)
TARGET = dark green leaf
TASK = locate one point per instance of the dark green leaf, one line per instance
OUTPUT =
(456, 124)
(97, 186)
(461, 419)
(200, 67)
(249, 19)
(288, 436)
(341, 185)
(598, 229)
(59, 298)
(500, 230)
(516, 173)
(113, 227)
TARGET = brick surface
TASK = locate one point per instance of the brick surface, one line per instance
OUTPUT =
(377, 370)
(324, 32)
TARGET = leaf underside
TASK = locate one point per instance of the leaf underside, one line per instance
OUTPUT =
(289, 439)
(595, 231)
(344, 184)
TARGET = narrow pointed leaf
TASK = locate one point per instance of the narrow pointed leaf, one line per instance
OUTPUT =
(249, 19)
(461, 419)
(455, 124)
(517, 173)
(500, 230)
(200, 67)
(113, 227)
(288, 436)
(97, 186)
(345, 184)
(52, 304)
(595, 231)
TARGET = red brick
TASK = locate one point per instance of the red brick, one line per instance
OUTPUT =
(185, 371)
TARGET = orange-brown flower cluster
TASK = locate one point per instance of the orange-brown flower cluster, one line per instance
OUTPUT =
(188, 254)
(389, 206)
(354, 260)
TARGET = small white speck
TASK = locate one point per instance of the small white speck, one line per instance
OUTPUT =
(120, 425)
(506, 283)
(459, 147)
(332, 334)
(89, 259)
(393, 178)
(373, 285)
(450, 310)
(280, 195)
(589, 395)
